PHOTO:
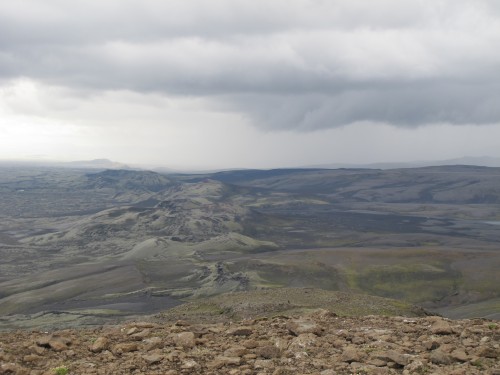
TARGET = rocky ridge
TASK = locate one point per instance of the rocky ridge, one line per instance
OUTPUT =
(320, 343)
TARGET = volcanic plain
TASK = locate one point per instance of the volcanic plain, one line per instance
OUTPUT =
(81, 247)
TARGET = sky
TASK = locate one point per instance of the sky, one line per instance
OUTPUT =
(249, 83)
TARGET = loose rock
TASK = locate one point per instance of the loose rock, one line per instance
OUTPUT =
(100, 344)
(327, 345)
(185, 339)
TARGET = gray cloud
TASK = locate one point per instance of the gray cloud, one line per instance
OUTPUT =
(410, 105)
(296, 64)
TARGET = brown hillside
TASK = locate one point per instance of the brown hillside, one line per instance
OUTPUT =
(317, 343)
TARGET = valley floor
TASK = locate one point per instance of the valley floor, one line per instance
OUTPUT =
(82, 247)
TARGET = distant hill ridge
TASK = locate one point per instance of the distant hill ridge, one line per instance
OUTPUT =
(462, 184)
(484, 161)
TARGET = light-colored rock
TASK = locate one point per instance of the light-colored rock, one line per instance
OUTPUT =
(400, 359)
(152, 343)
(43, 341)
(300, 326)
(351, 354)
(236, 351)
(125, 347)
(228, 361)
(377, 362)
(358, 340)
(35, 349)
(415, 367)
(488, 351)
(440, 357)
(190, 364)
(215, 364)
(152, 358)
(59, 344)
(431, 344)
(303, 341)
(441, 327)
(141, 335)
(185, 339)
(100, 344)
(281, 343)
(132, 330)
(459, 355)
(263, 364)
(250, 344)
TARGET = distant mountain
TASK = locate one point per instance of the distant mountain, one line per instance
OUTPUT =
(482, 161)
(96, 164)
(79, 164)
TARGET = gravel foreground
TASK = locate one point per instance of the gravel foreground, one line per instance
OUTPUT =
(319, 343)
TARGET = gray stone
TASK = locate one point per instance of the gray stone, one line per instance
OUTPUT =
(300, 326)
(235, 351)
(459, 355)
(152, 358)
(185, 339)
(441, 327)
(250, 344)
(263, 363)
(415, 367)
(59, 344)
(229, 361)
(439, 357)
(152, 343)
(100, 344)
(12, 368)
(351, 354)
(488, 352)
(126, 347)
(141, 335)
(269, 351)
(398, 358)
(240, 331)
(303, 341)
(190, 364)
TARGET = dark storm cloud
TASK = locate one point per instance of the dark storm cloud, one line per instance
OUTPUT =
(303, 64)
(404, 106)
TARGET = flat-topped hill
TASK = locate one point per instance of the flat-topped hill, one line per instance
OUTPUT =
(287, 301)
